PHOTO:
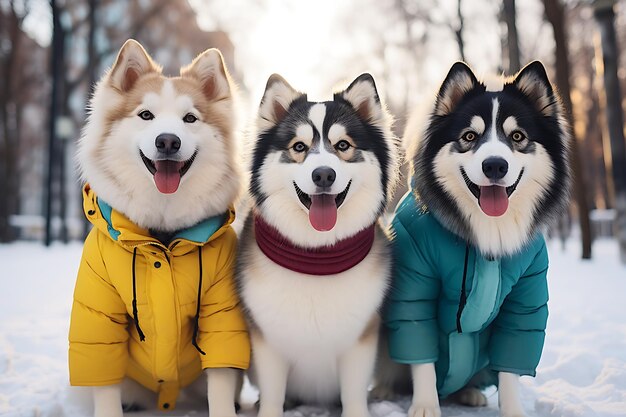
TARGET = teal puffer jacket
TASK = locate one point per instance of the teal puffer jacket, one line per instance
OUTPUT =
(500, 326)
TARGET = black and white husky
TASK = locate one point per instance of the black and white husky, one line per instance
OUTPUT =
(314, 265)
(504, 150)
(492, 166)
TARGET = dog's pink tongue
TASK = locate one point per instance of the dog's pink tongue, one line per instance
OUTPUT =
(167, 175)
(493, 200)
(323, 212)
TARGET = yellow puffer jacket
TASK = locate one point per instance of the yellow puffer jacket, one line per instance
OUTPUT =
(122, 262)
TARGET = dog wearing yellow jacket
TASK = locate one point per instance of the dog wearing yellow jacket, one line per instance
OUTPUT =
(155, 299)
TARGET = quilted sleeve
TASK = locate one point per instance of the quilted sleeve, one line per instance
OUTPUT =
(223, 334)
(410, 313)
(98, 338)
(519, 330)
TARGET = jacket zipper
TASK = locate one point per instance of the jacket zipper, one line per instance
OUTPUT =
(463, 297)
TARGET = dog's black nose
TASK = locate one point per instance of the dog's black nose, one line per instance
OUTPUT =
(495, 168)
(324, 176)
(167, 143)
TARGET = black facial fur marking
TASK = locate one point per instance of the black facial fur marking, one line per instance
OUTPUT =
(286, 158)
(357, 157)
(541, 128)
(365, 136)
(526, 147)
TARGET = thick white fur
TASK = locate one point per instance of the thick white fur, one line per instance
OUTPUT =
(285, 211)
(307, 345)
(107, 401)
(314, 338)
(425, 399)
(356, 366)
(322, 157)
(111, 164)
(221, 386)
(496, 236)
(508, 395)
(113, 167)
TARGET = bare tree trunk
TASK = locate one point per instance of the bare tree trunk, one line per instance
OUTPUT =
(6, 169)
(459, 31)
(61, 141)
(593, 140)
(605, 15)
(56, 67)
(555, 14)
(9, 118)
(91, 47)
(512, 41)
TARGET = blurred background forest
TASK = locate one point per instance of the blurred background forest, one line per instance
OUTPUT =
(52, 52)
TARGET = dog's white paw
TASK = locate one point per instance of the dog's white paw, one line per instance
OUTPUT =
(108, 412)
(424, 410)
(107, 401)
(516, 414)
(270, 412)
(470, 396)
(355, 412)
(113, 410)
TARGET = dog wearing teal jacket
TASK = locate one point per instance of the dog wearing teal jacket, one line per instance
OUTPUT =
(468, 303)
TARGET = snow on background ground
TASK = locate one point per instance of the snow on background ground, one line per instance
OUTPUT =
(582, 371)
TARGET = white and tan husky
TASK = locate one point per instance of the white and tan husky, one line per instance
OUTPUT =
(160, 150)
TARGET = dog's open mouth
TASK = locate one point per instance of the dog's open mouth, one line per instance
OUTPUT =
(492, 199)
(322, 207)
(166, 172)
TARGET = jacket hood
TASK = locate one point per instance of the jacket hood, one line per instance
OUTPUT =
(126, 233)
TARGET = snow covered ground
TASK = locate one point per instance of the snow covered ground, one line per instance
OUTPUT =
(582, 372)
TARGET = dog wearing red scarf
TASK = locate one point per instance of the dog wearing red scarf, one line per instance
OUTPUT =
(314, 264)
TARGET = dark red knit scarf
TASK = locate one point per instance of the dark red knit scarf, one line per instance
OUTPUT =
(325, 260)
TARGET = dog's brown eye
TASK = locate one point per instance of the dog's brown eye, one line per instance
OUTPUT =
(189, 118)
(518, 136)
(299, 147)
(146, 115)
(343, 145)
(469, 136)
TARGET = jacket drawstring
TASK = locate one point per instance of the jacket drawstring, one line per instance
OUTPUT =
(196, 326)
(463, 298)
(142, 337)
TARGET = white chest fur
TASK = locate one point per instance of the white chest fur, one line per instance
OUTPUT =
(311, 320)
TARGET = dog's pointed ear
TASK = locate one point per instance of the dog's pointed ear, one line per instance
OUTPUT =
(131, 63)
(276, 100)
(363, 97)
(459, 81)
(533, 82)
(210, 70)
